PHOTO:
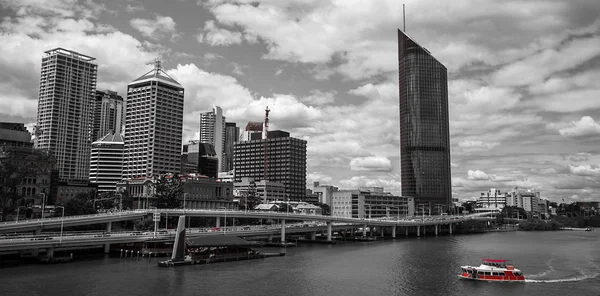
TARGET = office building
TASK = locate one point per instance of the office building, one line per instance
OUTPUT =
(153, 125)
(107, 110)
(106, 162)
(265, 191)
(324, 192)
(363, 203)
(212, 131)
(424, 126)
(232, 134)
(208, 162)
(492, 200)
(64, 117)
(278, 158)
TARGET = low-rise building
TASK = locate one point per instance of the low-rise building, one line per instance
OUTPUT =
(492, 200)
(324, 192)
(371, 204)
(266, 191)
(199, 192)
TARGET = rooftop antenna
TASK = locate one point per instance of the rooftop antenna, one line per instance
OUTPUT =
(156, 62)
(404, 16)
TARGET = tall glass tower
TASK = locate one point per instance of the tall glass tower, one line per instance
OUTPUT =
(424, 127)
(64, 116)
(212, 131)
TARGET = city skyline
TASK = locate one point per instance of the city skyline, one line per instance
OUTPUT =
(522, 78)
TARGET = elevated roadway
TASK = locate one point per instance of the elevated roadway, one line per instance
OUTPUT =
(56, 222)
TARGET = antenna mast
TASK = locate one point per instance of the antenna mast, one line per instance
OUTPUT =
(404, 16)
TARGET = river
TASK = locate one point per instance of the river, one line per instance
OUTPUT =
(554, 263)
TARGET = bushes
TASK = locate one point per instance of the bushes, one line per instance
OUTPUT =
(537, 225)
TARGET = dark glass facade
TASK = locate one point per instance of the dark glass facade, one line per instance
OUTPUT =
(424, 127)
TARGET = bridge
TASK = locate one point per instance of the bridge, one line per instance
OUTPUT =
(52, 241)
(57, 222)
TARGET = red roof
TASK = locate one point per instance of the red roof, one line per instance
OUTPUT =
(494, 260)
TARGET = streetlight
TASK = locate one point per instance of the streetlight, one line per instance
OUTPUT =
(18, 212)
(368, 205)
(43, 205)
(62, 222)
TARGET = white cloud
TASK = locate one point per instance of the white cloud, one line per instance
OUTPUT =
(215, 36)
(371, 163)
(479, 145)
(155, 29)
(584, 170)
(317, 177)
(390, 183)
(318, 98)
(585, 127)
(477, 175)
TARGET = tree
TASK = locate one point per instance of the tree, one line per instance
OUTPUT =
(81, 204)
(168, 192)
(16, 164)
(325, 208)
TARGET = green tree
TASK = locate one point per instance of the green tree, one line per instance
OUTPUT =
(168, 192)
(81, 204)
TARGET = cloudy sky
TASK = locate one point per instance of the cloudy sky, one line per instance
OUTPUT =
(524, 77)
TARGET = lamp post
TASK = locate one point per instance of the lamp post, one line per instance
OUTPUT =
(368, 205)
(43, 205)
(18, 212)
(62, 221)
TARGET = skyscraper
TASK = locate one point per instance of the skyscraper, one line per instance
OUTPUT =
(108, 114)
(424, 127)
(212, 131)
(279, 158)
(153, 125)
(64, 117)
(232, 133)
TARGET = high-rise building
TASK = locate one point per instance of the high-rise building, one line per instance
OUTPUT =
(106, 162)
(208, 163)
(64, 117)
(108, 114)
(232, 134)
(212, 131)
(153, 125)
(279, 158)
(424, 126)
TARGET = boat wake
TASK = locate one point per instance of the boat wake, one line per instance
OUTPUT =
(573, 279)
(544, 273)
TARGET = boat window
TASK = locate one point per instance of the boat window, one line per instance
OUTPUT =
(494, 273)
(480, 272)
(501, 273)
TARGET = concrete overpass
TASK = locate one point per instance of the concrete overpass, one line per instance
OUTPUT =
(57, 222)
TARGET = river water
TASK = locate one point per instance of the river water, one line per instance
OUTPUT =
(554, 262)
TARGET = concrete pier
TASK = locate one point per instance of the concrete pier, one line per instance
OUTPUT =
(283, 231)
(364, 230)
(406, 230)
(418, 230)
(108, 229)
(450, 228)
(436, 229)
(394, 231)
(313, 235)
(218, 222)
(329, 225)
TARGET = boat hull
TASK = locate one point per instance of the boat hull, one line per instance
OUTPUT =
(489, 280)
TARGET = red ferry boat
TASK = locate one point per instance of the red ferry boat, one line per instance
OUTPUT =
(492, 270)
